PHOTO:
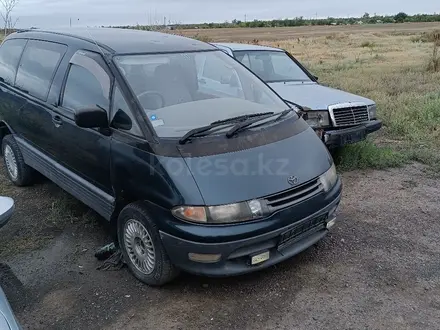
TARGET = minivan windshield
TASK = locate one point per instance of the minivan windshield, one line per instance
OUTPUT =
(272, 66)
(183, 91)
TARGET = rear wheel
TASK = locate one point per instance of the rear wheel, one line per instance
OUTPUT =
(18, 172)
(142, 247)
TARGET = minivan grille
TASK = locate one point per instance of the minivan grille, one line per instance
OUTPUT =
(349, 114)
(294, 196)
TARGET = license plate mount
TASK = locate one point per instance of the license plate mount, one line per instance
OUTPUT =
(304, 228)
(353, 137)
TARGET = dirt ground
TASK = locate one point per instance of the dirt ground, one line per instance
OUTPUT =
(285, 33)
(378, 269)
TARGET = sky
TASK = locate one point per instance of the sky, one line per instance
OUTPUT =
(57, 13)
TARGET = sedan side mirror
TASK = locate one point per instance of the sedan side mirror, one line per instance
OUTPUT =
(316, 78)
(93, 117)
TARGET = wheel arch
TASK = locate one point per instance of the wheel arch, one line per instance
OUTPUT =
(125, 200)
(5, 129)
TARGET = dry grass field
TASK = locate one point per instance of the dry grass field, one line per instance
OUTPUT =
(391, 64)
(378, 269)
(285, 33)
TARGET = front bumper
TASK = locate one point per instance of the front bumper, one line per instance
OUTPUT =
(235, 257)
(341, 137)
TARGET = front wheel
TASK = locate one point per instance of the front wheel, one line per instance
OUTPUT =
(18, 172)
(142, 247)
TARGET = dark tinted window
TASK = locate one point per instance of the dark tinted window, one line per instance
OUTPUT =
(10, 53)
(37, 67)
(83, 89)
(121, 116)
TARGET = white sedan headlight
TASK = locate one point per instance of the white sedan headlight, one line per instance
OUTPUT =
(329, 178)
(317, 119)
(372, 111)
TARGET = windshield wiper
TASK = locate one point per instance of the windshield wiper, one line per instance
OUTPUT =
(197, 132)
(234, 130)
(242, 117)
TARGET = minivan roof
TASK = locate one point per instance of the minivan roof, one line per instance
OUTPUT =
(119, 41)
(243, 47)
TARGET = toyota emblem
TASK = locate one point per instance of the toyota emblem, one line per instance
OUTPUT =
(292, 180)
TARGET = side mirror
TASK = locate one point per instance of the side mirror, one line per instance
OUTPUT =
(122, 121)
(316, 77)
(6, 209)
(93, 117)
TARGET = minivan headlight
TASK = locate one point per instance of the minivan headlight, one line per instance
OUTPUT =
(317, 118)
(329, 178)
(372, 111)
(230, 213)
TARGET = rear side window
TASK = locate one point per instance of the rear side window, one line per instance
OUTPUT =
(84, 89)
(243, 58)
(10, 53)
(37, 67)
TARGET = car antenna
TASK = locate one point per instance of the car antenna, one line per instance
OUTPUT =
(97, 45)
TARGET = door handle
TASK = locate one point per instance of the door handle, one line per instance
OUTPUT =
(57, 121)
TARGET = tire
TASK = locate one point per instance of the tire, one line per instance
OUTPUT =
(18, 172)
(134, 223)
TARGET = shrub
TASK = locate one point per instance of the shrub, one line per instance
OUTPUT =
(366, 154)
(368, 44)
(202, 37)
(434, 60)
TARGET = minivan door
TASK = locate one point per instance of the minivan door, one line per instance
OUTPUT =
(85, 151)
(37, 67)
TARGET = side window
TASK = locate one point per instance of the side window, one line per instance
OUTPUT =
(37, 67)
(10, 53)
(86, 89)
(121, 116)
(243, 58)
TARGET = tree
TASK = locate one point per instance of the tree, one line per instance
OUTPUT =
(400, 17)
(366, 16)
(8, 7)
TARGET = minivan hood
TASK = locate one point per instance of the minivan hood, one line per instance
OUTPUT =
(314, 95)
(257, 172)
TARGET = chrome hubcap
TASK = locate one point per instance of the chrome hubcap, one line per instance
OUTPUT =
(139, 246)
(11, 162)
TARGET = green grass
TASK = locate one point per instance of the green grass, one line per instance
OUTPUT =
(408, 99)
(367, 155)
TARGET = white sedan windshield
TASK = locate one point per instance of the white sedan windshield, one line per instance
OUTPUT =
(272, 66)
(182, 91)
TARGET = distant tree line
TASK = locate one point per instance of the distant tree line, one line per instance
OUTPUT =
(301, 21)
